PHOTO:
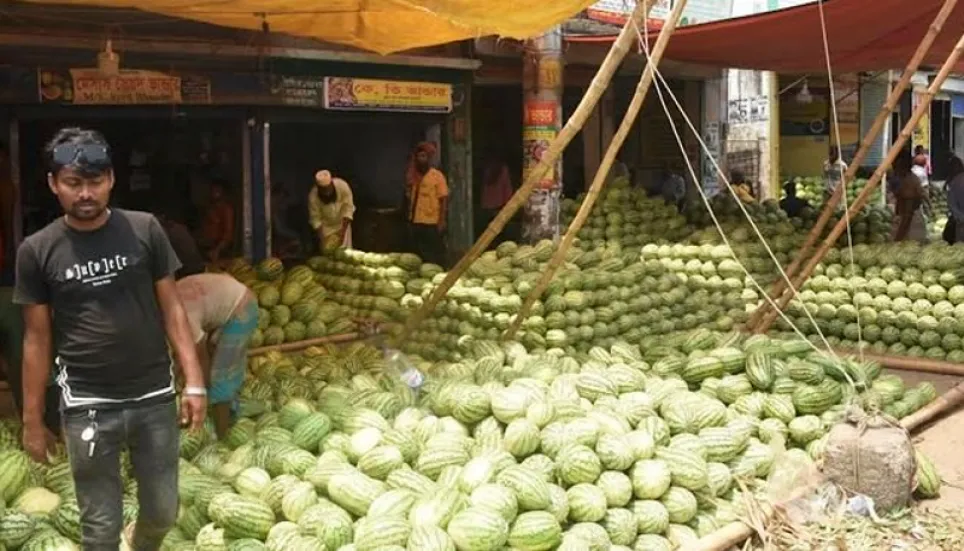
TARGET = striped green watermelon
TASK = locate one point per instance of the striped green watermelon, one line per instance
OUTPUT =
(530, 488)
(14, 472)
(241, 516)
(478, 529)
(681, 505)
(430, 538)
(15, 528)
(354, 491)
(578, 464)
(375, 534)
(587, 503)
(310, 430)
(535, 531)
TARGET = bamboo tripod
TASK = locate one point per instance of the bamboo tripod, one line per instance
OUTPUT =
(779, 287)
(573, 126)
(602, 174)
(864, 196)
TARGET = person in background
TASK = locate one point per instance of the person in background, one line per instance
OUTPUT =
(833, 171)
(427, 192)
(496, 188)
(11, 362)
(741, 187)
(217, 227)
(672, 187)
(192, 261)
(791, 204)
(223, 314)
(955, 199)
(283, 237)
(331, 209)
(97, 285)
(923, 158)
(909, 208)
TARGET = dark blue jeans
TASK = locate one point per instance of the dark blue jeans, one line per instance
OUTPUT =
(151, 434)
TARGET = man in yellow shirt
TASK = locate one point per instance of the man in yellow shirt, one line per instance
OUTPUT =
(428, 194)
(331, 209)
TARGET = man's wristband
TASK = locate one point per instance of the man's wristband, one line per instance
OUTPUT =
(195, 391)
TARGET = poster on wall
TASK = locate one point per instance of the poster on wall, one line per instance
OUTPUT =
(540, 128)
(360, 94)
(128, 87)
(922, 132)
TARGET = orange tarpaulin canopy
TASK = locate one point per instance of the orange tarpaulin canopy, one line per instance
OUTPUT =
(382, 26)
(863, 35)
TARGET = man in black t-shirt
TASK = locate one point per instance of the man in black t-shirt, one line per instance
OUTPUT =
(99, 285)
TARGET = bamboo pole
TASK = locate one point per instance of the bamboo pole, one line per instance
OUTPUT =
(301, 345)
(864, 196)
(950, 400)
(779, 286)
(905, 363)
(602, 174)
(738, 531)
(573, 126)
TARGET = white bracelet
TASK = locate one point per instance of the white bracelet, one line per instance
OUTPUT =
(195, 391)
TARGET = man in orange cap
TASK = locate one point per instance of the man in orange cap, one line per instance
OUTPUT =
(330, 211)
(428, 194)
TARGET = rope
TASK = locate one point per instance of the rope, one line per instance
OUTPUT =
(689, 165)
(843, 179)
(645, 48)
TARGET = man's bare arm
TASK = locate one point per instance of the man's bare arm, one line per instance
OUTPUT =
(37, 358)
(178, 331)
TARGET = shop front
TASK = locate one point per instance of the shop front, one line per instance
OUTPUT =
(363, 126)
(178, 133)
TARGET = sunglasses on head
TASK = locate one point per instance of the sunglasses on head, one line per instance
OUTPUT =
(69, 154)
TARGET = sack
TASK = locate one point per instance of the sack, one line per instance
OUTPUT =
(950, 230)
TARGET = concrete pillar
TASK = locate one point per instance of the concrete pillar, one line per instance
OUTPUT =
(542, 89)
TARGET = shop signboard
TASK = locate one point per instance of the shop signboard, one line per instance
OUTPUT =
(359, 94)
(696, 11)
(128, 87)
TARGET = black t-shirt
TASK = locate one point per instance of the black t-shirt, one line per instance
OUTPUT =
(108, 329)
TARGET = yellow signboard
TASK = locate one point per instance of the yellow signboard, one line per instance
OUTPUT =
(91, 87)
(358, 94)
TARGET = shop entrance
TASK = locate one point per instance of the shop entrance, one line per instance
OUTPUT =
(371, 152)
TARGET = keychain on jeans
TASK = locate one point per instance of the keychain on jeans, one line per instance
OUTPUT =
(89, 434)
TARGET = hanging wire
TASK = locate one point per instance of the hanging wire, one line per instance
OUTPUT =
(660, 84)
(843, 179)
(644, 41)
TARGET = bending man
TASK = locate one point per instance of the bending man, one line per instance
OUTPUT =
(223, 313)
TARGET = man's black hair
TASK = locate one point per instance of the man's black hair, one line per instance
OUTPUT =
(76, 136)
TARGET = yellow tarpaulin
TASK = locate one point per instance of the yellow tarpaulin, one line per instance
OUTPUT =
(382, 26)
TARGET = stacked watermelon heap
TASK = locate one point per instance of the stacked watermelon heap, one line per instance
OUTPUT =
(626, 447)
(908, 299)
(325, 296)
(625, 215)
(599, 296)
(811, 189)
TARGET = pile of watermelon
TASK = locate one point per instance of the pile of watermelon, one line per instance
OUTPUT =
(902, 299)
(599, 296)
(328, 294)
(642, 447)
(812, 188)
